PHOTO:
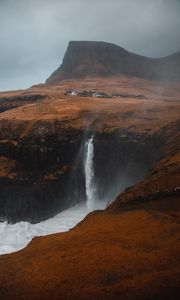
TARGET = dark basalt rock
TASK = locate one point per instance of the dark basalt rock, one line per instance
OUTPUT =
(43, 167)
(121, 160)
(85, 58)
(42, 190)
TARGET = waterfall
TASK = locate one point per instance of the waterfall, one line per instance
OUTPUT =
(89, 173)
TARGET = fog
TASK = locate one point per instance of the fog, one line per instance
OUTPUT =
(34, 34)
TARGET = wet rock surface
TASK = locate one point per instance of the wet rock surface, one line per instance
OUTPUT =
(49, 170)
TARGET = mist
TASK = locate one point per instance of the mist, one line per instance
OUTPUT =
(35, 34)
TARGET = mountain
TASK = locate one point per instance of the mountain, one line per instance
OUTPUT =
(94, 59)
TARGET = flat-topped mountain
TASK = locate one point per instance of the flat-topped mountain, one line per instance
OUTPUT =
(86, 58)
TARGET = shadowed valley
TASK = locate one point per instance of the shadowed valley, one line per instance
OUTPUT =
(129, 250)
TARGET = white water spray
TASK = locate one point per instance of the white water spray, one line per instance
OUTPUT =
(89, 173)
(17, 236)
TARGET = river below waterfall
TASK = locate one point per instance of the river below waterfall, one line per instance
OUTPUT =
(105, 171)
(14, 237)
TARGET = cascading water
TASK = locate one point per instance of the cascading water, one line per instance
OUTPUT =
(89, 173)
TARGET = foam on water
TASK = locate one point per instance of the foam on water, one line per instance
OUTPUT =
(14, 237)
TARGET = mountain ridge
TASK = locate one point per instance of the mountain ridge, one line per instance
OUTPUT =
(94, 59)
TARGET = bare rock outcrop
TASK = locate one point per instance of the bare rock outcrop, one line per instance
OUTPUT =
(100, 59)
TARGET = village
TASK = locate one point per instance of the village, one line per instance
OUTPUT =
(95, 94)
(85, 93)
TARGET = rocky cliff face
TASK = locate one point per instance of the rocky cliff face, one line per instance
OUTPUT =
(42, 175)
(41, 145)
(102, 59)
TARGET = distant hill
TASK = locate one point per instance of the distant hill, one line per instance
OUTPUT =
(86, 58)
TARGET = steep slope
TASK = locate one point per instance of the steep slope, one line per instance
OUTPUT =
(130, 251)
(39, 143)
(93, 59)
(130, 255)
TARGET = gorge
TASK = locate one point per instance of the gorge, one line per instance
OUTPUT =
(52, 167)
(108, 166)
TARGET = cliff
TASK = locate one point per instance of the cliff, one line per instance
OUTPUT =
(130, 250)
(40, 141)
(100, 59)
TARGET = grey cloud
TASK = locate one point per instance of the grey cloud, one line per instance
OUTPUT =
(34, 34)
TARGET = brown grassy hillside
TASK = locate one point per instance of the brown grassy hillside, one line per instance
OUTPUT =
(130, 250)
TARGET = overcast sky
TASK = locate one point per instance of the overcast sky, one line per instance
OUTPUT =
(34, 34)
